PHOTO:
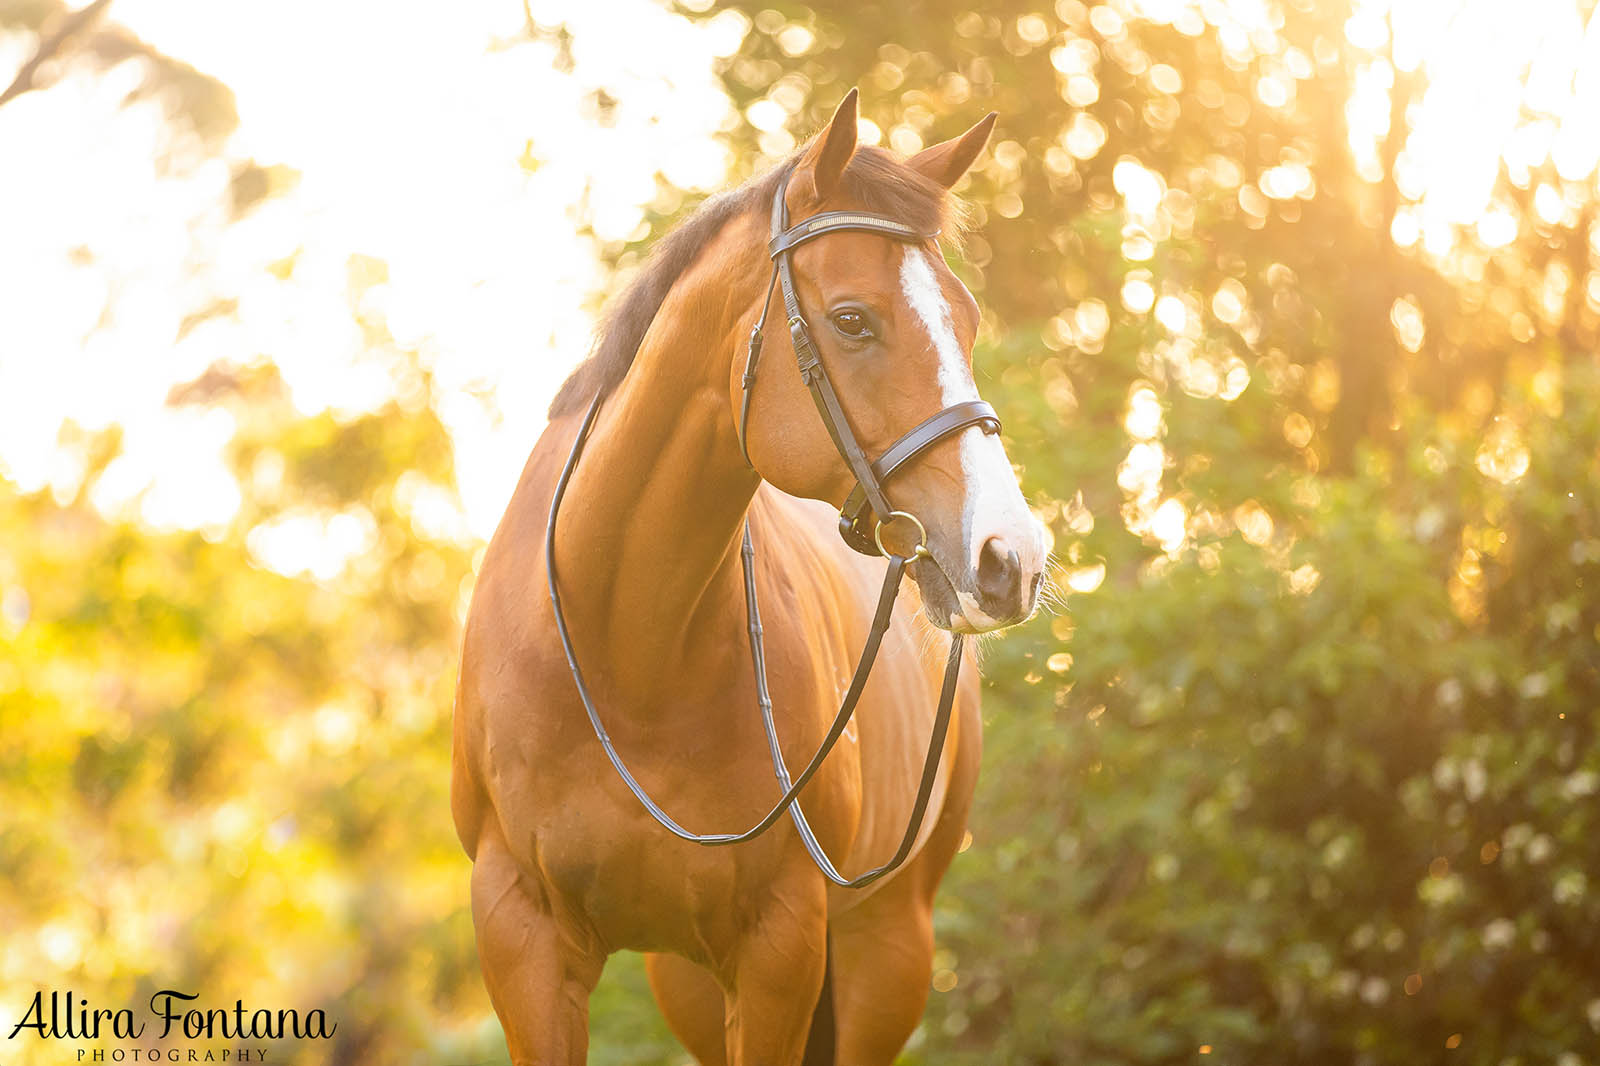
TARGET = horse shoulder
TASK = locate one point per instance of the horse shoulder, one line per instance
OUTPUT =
(509, 653)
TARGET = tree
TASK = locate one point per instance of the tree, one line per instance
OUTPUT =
(1302, 767)
(1271, 776)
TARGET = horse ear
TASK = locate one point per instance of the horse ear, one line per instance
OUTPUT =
(946, 162)
(826, 158)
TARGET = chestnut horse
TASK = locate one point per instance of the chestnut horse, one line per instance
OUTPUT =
(567, 866)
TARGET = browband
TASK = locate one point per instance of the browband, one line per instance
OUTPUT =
(833, 221)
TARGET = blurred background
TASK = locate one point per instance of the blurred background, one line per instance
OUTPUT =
(1291, 312)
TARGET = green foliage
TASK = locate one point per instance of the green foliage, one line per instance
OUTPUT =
(1301, 769)
(230, 781)
(1331, 824)
(1306, 776)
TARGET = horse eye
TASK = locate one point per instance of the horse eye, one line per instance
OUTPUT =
(852, 324)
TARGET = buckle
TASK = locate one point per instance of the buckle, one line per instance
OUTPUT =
(853, 535)
(805, 353)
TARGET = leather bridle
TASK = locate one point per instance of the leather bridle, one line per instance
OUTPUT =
(866, 512)
(870, 476)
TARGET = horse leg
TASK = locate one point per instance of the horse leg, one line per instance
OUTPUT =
(539, 975)
(883, 946)
(691, 1001)
(883, 959)
(775, 973)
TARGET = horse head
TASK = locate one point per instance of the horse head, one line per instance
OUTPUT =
(893, 328)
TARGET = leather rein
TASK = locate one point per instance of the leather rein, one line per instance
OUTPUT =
(866, 512)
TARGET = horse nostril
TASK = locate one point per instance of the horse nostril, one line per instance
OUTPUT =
(999, 578)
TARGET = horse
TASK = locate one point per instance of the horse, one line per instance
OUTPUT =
(752, 956)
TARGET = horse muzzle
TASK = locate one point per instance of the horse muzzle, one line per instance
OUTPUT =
(992, 587)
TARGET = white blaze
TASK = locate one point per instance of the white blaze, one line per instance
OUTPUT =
(994, 504)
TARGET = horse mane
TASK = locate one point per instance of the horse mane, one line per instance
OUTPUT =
(873, 180)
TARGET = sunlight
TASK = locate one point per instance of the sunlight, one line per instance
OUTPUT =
(1499, 91)
(460, 162)
(320, 545)
(446, 148)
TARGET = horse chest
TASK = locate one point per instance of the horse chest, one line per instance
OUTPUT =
(640, 892)
(606, 863)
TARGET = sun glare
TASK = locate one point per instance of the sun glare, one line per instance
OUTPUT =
(445, 147)
(450, 183)
(1513, 92)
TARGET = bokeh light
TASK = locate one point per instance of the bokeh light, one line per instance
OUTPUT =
(1290, 312)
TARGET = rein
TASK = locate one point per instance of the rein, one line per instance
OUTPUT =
(866, 502)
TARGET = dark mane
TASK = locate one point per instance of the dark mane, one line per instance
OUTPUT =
(873, 180)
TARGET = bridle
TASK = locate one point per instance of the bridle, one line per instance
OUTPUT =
(867, 510)
(867, 499)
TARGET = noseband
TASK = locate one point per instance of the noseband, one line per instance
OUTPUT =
(866, 512)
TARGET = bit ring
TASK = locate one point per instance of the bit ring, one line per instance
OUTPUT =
(920, 551)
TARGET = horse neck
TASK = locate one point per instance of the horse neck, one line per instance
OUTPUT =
(648, 537)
